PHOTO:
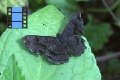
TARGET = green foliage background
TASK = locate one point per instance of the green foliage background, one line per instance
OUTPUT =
(97, 32)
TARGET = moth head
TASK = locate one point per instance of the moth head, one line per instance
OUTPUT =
(28, 39)
(77, 21)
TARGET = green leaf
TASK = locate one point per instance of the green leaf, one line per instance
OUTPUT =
(48, 21)
(9, 3)
(12, 72)
(97, 33)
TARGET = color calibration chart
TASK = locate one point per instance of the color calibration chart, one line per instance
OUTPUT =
(17, 17)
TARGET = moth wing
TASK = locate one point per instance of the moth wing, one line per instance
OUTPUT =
(75, 26)
(56, 52)
(36, 44)
(76, 44)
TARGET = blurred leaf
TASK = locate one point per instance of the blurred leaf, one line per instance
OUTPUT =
(83, 0)
(37, 4)
(67, 7)
(118, 12)
(12, 72)
(2, 28)
(97, 33)
(118, 16)
(64, 4)
(37, 1)
(9, 3)
(1, 15)
(118, 22)
(114, 66)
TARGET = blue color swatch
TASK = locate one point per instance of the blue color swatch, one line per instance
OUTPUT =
(16, 9)
(16, 16)
(16, 24)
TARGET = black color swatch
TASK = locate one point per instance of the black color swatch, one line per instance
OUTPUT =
(59, 48)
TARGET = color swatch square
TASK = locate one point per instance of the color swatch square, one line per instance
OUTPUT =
(16, 24)
(16, 9)
(16, 16)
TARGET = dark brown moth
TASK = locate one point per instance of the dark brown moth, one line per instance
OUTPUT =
(58, 49)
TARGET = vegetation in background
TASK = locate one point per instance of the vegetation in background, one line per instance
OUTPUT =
(102, 23)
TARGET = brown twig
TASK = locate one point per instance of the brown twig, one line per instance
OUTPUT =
(108, 57)
(110, 11)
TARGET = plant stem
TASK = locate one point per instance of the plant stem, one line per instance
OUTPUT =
(110, 11)
(108, 57)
